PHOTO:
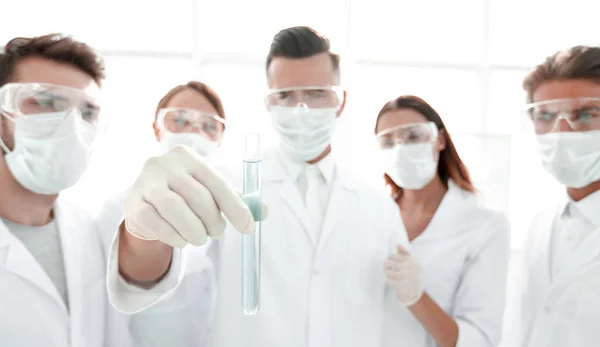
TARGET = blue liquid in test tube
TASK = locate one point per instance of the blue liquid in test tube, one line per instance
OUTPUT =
(251, 242)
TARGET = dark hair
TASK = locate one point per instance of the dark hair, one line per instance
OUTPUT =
(450, 165)
(301, 42)
(56, 47)
(203, 89)
(578, 62)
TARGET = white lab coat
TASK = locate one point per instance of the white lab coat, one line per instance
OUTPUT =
(565, 311)
(328, 294)
(464, 255)
(318, 295)
(187, 313)
(32, 313)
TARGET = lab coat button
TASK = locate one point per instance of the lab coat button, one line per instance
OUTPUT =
(547, 309)
(315, 272)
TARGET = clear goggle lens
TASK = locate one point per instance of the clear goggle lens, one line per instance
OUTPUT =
(408, 134)
(183, 120)
(581, 114)
(24, 99)
(308, 97)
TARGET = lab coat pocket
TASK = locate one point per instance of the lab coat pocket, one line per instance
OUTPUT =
(364, 277)
(585, 328)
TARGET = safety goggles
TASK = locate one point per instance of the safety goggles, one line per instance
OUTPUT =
(580, 114)
(185, 120)
(413, 133)
(26, 99)
(306, 97)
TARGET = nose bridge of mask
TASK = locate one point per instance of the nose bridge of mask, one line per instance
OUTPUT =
(412, 166)
(55, 124)
(302, 108)
(38, 160)
(563, 115)
(573, 158)
(195, 125)
(418, 152)
(197, 142)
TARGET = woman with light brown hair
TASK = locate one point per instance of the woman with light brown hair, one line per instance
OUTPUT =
(190, 114)
(454, 277)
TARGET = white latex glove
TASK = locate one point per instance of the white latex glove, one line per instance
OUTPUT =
(403, 274)
(179, 198)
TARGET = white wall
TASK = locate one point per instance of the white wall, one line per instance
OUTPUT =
(466, 57)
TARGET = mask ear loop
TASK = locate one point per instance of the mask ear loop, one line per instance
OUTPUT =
(4, 148)
(435, 134)
(4, 117)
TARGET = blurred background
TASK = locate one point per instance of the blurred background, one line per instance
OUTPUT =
(466, 58)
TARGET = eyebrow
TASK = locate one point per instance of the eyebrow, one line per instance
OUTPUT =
(588, 107)
(47, 93)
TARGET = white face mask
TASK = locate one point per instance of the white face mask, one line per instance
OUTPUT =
(51, 151)
(411, 166)
(194, 141)
(573, 158)
(304, 134)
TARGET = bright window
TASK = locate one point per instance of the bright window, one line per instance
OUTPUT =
(246, 28)
(523, 33)
(453, 93)
(129, 26)
(418, 31)
(467, 58)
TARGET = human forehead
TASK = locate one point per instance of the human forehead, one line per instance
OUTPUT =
(399, 117)
(304, 72)
(41, 70)
(192, 99)
(566, 89)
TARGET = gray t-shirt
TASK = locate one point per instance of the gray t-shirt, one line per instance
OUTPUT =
(44, 244)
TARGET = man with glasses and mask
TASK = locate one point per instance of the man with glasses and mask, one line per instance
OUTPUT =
(325, 240)
(560, 303)
(52, 260)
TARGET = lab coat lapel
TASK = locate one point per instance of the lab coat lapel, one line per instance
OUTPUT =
(291, 197)
(588, 251)
(540, 273)
(340, 204)
(288, 192)
(18, 260)
(86, 289)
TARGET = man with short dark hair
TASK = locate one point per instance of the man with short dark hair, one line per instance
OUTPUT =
(560, 303)
(327, 235)
(52, 260)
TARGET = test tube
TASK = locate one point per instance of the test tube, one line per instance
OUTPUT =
(251, 242)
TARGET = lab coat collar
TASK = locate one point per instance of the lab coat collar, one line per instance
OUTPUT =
(277, 167)
(447, 210)
(344, 189)
(457, 193)
(16, 258)
(82, 269)
(589, 207)
(294, 169)
(589, 249)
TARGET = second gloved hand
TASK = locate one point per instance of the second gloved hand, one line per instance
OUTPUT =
(403, 274)
(179, 198)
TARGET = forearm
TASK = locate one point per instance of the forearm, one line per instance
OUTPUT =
(142, 262)
(438, 324)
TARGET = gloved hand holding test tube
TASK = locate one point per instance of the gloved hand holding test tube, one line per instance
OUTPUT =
(251, 243)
